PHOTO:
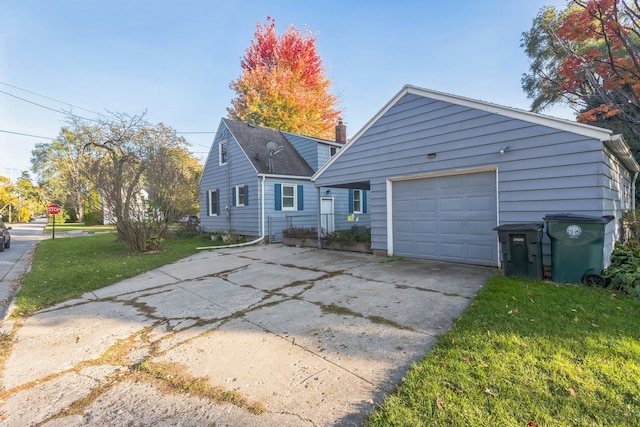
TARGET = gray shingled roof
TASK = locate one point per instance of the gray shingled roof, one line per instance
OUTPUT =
(253, 140)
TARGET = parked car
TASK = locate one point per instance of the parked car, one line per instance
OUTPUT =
(189, 219)
(5, 237)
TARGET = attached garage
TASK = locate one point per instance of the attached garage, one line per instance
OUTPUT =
(443, 170)
(447, 218)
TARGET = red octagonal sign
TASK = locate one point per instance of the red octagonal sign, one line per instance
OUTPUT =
(53, 209)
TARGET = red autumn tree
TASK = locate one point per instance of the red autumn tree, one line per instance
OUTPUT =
(588, 54)
(284, 84)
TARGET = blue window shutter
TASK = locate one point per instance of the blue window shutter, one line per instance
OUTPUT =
(300, 197)
(217, 202)
(277, 190)
(350, 200)
(246, 195)
(364, 201)
(233, 196)
(208, 203)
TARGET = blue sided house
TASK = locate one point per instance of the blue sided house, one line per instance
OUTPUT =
(443, 170)
(257, 182)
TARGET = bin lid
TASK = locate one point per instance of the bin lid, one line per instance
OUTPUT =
(532, 226)
(575, 217)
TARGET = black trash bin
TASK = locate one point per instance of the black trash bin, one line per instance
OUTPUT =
(577, 245)
(522, 250)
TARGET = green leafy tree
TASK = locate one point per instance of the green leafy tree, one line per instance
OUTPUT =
(284, 84)
(61, 166)
(30, 198)
(143, 173)
(588, 56)
(7, 198)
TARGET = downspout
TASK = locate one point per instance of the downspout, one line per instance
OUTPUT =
(633, 193)
(262, 208)
(319, 218)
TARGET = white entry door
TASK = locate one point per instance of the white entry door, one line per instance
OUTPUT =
(326, 215)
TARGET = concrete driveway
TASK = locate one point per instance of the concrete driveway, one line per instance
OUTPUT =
(313, 337)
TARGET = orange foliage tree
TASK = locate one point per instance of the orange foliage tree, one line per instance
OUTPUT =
(284, 84)
(588, 54)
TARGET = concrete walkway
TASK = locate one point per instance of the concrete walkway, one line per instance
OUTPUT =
(310, 337)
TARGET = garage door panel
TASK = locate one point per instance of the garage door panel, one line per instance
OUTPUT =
(451, 204)
(485, 202)
(449, 218)
(426, 206)
(452, 250)
(479, 227)
(451, 227)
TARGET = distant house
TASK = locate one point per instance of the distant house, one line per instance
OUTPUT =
(257, 182)
(444, 170)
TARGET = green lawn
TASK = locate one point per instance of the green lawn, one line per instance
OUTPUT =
(65, 268)
(528, 354)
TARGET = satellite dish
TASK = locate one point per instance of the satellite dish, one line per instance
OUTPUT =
(273, 148)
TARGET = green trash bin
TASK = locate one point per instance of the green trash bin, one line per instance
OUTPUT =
(577, 243)
(521, 250)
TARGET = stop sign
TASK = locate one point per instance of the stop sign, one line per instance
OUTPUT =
(53, 209)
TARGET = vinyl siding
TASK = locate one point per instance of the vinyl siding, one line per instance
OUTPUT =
(277, 220)
(543, 170)
(307, 147)
(243, 220)
(617, 197)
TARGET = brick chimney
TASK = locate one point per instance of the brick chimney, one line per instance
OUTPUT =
(341, 132)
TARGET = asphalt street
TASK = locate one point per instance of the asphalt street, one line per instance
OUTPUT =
(14, 261)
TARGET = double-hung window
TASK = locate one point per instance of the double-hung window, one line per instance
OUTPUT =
(223, 151)
(289, 197)
(357, 201)
(241, 193)
(213, 202)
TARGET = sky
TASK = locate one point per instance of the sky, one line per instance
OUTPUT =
(174, 60)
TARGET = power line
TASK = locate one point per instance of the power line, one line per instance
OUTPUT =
(49, 98)
(26, 134)
(67, 113)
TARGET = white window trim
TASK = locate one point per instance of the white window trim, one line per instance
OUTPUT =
(295, 198)
(222, 143)
(212, 198)
(240, 190)
(358, 211)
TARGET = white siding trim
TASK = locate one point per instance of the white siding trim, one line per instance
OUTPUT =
(445, 173)
(266, 175)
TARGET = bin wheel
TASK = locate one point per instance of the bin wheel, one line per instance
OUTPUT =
(594, 280)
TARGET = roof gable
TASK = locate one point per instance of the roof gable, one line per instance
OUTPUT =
(604, 135)
(253, 140)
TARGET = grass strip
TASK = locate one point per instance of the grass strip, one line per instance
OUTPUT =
(529, 354)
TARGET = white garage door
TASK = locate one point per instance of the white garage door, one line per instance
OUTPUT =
(447, 218)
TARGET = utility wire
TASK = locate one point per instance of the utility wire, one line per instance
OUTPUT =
(67, 113)
(26, 134)
(71, 114)
(49, 98)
